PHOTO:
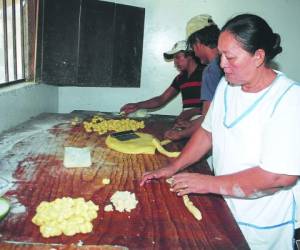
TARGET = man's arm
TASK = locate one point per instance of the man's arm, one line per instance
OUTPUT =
(187, 114)
(155, 102)
(177, 134)
(205, 107)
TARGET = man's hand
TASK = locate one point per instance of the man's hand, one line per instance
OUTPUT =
(174, 134)
(183, 130)
(129, 108)
(182, 124)
(188, 114)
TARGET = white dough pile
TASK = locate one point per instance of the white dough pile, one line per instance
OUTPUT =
(122, 201)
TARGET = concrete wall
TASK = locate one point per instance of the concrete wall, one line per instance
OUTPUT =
(164, 25)
(20, 102)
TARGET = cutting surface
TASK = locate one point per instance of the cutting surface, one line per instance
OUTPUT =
(31, 166)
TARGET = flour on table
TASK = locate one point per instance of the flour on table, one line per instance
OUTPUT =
(77, 157)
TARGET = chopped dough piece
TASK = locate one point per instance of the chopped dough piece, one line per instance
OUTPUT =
(165, 142)
(108, 208)
(170, 180)
(65, 216)
(77, 157)
(105, 181)
(145, 144)
(75, 120)
(188, 203)
(124, 201)
(101, 126)
(161, 150)
(190, 206)
(140, 113)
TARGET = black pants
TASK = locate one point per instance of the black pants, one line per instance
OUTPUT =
(297, 237)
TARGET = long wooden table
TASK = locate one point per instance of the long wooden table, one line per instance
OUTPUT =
(31, 165)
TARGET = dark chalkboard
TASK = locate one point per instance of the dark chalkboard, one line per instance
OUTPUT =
(128, 45)
(57, 49)
(89, 43)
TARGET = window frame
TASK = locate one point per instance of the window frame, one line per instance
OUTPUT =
(27, 36)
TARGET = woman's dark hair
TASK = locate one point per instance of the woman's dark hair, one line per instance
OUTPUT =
(254, 33)
(207, 36)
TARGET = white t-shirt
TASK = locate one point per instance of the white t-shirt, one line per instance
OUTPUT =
(257, 129)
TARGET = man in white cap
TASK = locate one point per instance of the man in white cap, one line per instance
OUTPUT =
(187, 82)
(202, 37)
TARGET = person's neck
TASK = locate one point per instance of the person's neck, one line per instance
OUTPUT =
(191, 67)
(262, 79)
(212, 54)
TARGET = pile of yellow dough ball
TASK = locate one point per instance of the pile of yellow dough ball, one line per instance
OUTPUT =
(101, 126)
(65, 216)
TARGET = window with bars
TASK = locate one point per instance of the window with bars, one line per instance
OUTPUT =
(12, 41)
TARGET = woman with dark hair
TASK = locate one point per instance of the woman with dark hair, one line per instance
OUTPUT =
(252, 127)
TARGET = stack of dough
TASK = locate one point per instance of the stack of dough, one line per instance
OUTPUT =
(65, 216)
(144, 144)
(101, 126)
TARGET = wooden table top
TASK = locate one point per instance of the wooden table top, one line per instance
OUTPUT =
(31, 166)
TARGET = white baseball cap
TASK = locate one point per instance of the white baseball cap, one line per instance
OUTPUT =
(179, 46)
(197, 23)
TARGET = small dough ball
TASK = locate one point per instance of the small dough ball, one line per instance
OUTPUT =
(108, 208)
(105, 181)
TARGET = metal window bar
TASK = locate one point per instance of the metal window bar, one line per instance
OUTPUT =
(5, 40)
(8, 80)
(22, 38)
(13, 9)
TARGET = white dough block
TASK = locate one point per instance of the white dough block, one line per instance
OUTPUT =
(77, 157)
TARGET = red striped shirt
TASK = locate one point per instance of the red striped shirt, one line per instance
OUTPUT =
(191, 101)
(190, 84)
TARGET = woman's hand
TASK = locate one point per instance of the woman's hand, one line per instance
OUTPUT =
(156, 174)
(185, 183)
